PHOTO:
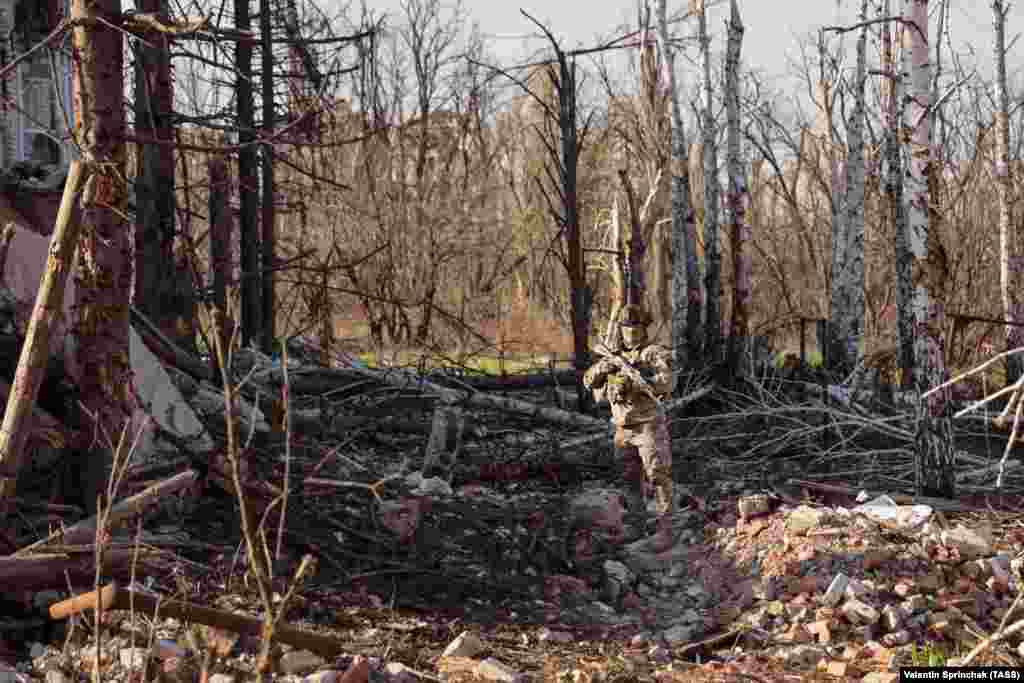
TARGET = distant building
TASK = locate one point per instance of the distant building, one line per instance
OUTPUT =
(35, 99)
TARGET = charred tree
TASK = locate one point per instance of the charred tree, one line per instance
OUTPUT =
(737, 198)
(563, 157)
(102, 312)
(893, 107)
(220, 254)
(248, 182)
(846, 311)
(686, 289)
(712, 248)
(267, 208)
(154, 289)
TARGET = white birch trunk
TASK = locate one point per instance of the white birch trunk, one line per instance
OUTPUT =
(712, 251)
(847, 295)
(893, 108)
(612, 334)
(934, 437)
(737, 195)
(1010, 264)
(686, 289)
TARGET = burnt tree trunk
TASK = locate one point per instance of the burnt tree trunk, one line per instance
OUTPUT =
(580, 303)
(154, 291)
(267, 215)
(686, 289)
(220, 255)
(737, 199)
(102, 312)
(712, 247)
(248, 181)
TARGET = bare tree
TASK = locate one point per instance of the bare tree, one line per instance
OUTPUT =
(267, 195)
(892, 116)
(638, 135)
(712, 250)
(737, 196)
(686, 290)
(934, 428)
(156, 290)
(846, 311)
(564, 137)
(1011, 265)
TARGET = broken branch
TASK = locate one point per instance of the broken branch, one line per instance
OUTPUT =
(35, 350)
(85, 531)
(114, 597)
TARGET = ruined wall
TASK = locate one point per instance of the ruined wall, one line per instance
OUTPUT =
(34, 126)
(7, 86)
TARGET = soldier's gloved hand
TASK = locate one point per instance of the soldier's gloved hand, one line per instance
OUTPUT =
(597, 375)
(614, 390)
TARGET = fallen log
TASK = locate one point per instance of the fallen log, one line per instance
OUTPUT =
(310, 421)
(405, 379)
(523, 381)
(113, 596)
(986, 466)
(313, 381)
(40, 572)
(85, 531)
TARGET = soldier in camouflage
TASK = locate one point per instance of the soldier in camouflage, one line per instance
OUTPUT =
(634, 382)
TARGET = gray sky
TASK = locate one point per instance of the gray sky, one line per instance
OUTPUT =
(773, 26)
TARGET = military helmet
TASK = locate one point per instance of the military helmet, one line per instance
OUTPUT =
(634, 315)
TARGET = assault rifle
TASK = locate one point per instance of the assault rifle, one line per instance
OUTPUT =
(627, 369)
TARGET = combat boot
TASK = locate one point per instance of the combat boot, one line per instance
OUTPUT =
(634, 497)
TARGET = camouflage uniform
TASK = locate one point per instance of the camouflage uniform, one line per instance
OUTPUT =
(641, 428)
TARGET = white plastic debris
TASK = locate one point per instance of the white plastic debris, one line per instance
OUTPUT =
(886, 512)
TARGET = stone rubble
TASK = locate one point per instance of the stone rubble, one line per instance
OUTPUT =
(849, 594)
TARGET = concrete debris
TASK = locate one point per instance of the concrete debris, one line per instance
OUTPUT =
(803, 519)
(969, 543)
(491, 669)
(836, 590)
(466, 644)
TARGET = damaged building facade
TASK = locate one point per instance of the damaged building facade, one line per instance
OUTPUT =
(35, 99)
(35, 114)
